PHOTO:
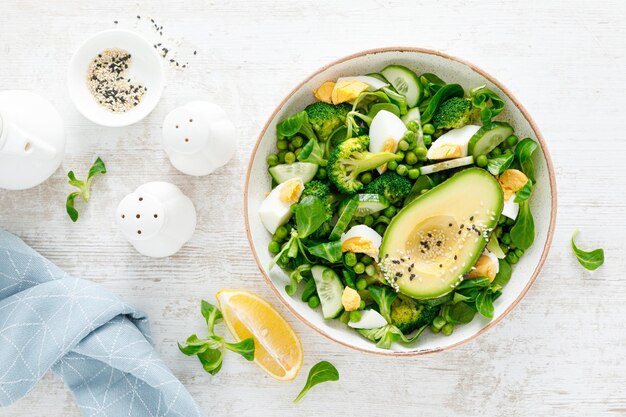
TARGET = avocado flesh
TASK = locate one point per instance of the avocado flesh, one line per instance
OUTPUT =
(435, 240)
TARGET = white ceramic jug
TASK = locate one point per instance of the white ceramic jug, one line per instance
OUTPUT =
(32, 139)
(198, 138)
(157, 219)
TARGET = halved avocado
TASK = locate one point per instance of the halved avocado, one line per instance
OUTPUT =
(435, 240)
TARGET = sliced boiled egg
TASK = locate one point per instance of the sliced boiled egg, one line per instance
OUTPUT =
(361, 239)
(370, 319)
(276, 208)
(494, 259)
(510, 208)
(386, 131)
(452, 144)
(347, 89)
(487, 265)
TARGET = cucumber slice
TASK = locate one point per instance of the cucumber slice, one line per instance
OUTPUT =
(413, 114)
(305, 170)
(488, 137)
(344, 219)
(405, 81)
(442, 166)
(369, 203)
(329, 289)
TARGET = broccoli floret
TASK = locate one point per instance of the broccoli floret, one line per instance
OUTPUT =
(325, 118)
(350, 158)
(390, 185)
(454, 113)
(408, 316)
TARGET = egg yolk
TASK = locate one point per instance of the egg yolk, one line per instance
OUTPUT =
(511, 181)
(390, 145)
(484, 267)
(347, 90)
(291, 191)
(350, 299)
(360, 245)
(445, 151)
(324, 92)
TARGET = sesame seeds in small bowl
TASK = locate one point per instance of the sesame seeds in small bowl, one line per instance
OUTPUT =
(115, 78)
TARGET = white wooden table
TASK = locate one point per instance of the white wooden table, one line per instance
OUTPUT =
(561, 352)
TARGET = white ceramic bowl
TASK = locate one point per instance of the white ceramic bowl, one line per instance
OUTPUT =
(452, 70)
(146, 68)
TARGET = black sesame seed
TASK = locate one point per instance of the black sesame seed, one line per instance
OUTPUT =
(471, 218)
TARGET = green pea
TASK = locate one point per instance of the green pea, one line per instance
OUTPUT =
(428, 140)
(345, 317)
(392, 165)
(390, 211)
(421, 152)
(519, 252)
(439, 322)
(410, 158)
(366, 260)
(281, 156)
(368, 220)
(496, 152)
(282, 144)
(355, 316)
(361, 284)
(447, 329)
(366, 177)
(511, 141)
(434, 329)
(272, 160)
(281, 233)
(506, 238)
(428, 129)
(507, 151)
(370, 270)
(498, 232)
(273, 247)
(321, 174)
(291, 147)
(413, 126)
(349, 259)
(380, 229)
(402, 170)
(414, 173)
(409, 136)
(400, 154)
(424, 191)
(359, 268)
(297, 141)
(511, 258)
(297, 152)
(362, 305)
(314, 301)
(482, 161)
(403, 145)
(290, 157)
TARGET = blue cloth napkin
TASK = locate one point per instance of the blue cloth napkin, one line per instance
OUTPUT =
(99, 345)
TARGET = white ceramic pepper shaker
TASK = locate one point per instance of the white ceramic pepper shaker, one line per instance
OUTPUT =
(157, 219)
(198, 138)
(32, 139)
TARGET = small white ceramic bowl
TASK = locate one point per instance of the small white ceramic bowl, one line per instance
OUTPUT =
(146, 68)
(452, 70)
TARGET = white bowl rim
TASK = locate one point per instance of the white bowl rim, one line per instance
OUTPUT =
(121, 122)
(539, 137)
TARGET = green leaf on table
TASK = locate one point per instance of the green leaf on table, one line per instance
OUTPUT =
(591, 260)
(211, 314)
(245, 348)
(84, 187)
(321, 372)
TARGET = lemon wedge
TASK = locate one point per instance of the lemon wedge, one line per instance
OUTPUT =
(278, 350)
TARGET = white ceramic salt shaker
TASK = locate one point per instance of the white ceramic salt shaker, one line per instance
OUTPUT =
(157, 219)
(199, 138)
(32, 139)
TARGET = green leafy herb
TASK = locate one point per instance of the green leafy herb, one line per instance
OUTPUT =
(500, 164)
(313, 153)
(384, 297)
(83, 186)
(431, 83)
(423, 182)
(210, 351)
(331, 251)
(320, 372)
(504, 273)
(523, 231)
(310, 215)
(489, 103)
(296, 277)
(298, 123)
(525, 192)
(457, 313)
(589, 260)
(523, 155)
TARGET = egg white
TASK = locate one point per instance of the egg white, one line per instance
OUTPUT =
(273, 211)
(460, 137)
(385, 126)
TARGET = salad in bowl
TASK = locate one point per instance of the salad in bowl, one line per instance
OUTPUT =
(399, 204)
